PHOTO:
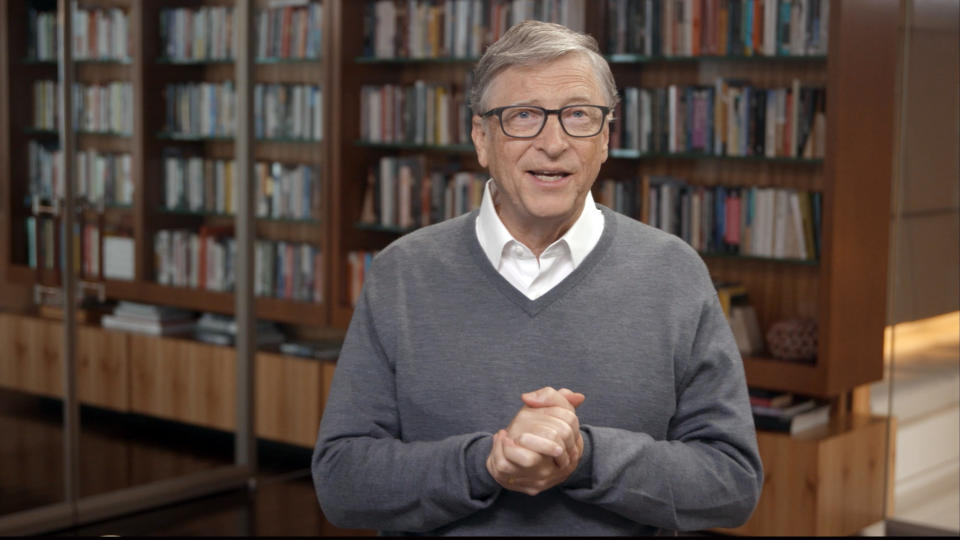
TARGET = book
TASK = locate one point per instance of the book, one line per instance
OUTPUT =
(769, 398)
(145, 326)
(319, 349)
(811, 417)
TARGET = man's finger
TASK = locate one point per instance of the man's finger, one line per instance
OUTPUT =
(575, 398)
(547, 397)
(540, 445)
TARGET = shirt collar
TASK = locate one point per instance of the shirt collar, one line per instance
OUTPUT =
(580, 238)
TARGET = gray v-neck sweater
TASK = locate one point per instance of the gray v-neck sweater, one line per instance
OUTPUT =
(441, 347)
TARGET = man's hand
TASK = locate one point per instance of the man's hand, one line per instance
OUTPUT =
(542, 445)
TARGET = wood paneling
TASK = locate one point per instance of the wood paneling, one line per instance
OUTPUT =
(288, 400)
(102, 376)
(183, 380)
(825, 482)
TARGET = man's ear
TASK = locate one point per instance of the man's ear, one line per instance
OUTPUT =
(605, 140)
(479, 135)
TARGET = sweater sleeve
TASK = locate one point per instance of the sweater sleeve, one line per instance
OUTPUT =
(365, 475)
(707, 472)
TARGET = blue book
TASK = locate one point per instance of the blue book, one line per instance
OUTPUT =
(747, 28)
(815, 197)
(32, 241)
(783, 28)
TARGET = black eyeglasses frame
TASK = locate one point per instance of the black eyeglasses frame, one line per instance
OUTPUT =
(498, 111)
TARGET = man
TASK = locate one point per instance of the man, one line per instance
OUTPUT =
(445, 416)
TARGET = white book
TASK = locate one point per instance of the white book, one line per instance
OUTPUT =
(798, 40)
(646, 126)
(146, 327)
(461, 29)
(385, 29)
(118, 257)
(769, 27)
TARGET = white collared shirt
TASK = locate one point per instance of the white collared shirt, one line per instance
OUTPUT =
(517, 263)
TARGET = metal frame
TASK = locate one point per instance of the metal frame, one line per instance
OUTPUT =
(75, 510)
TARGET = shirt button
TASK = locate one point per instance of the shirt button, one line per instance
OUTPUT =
(518, 250)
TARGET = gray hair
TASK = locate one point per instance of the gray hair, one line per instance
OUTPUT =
(535, 42)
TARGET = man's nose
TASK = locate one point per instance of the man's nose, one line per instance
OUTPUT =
(552, 138)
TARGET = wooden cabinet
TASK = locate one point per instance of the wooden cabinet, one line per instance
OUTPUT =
(182, 380)
(102, 369)
(170, 378)
(826, 482)
(290, 395)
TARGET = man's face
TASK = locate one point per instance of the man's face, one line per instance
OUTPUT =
(543, 180)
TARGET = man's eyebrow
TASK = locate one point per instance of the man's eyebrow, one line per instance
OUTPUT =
(576, 100)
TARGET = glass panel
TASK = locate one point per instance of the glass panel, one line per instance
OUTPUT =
(289, 191)
(922, 385)
(156, 404)
(31, 414)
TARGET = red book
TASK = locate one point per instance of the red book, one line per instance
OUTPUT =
(696, 26)
(288, 271)
(285, 32)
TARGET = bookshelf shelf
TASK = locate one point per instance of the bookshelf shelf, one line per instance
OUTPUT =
(625, 153)
(202, 62)
(82, 61)
(54, 133)
(738, 257)
(449, 148)
(402, 61)
(274, 309)
(221, 215)
(383, 228)
(644, 59)
(164, 135)
(288, 61)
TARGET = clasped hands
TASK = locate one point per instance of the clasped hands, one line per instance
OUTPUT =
(542, 445)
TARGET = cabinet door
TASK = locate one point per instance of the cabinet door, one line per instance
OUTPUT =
(34, 364)
(102, 368)
(289, 398)
(9, 353)
(183, 380)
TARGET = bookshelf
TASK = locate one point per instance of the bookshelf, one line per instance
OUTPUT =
(843, 288)
(852, 262)
(157, 59)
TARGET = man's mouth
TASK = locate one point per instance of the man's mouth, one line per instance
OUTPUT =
(549, 176)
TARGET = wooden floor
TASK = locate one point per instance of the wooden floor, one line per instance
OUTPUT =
(123, 450)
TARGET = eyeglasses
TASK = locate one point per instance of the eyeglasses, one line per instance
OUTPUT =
(527, 121)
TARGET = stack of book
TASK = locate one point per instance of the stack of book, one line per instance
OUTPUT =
(222, 330)
(149, 319)
(316, 349)
(786, 412)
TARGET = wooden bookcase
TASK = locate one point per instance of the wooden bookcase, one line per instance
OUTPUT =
(844, 291)
(149, 73)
